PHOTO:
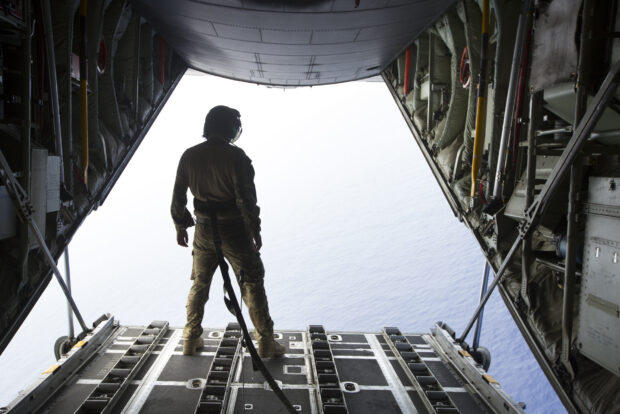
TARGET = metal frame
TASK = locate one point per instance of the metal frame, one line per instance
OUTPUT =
(483, 289)
(109, 391)
(526, 253)
(425, 383)
(538, 208)
(59, 374)
(22, 205)
(328, 391)
(100, 195)
(214, 396)
(477, 377)
(574, 202)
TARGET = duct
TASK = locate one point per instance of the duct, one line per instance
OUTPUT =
(420, 100)
(450, 30)
(447, 156)
(430, 83)
(126, 70)
(117, 17)
(145, 102)
(470, 15)
(96, 153)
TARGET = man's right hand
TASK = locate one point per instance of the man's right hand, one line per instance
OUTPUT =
(182, 238)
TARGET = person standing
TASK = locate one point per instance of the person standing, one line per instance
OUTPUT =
(220, 176)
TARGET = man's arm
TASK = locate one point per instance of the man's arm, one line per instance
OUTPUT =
(245, 193)
(181, 216)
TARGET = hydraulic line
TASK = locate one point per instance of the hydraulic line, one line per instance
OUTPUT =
(51, 67)
(481, 104)
(26, 137)
(510, 100)
(407, 81)
(574, 202)
(516, 131)
(84, 90)
(483, 290)
(526, 254)
(234, 303)
(68, 282)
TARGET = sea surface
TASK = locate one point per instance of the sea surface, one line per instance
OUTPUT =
(357, 234)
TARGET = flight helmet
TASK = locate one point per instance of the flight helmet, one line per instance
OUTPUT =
(224, 123)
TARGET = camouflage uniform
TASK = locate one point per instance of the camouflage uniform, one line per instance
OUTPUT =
(219, 172)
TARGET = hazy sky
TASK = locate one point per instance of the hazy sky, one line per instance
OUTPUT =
(356, 232)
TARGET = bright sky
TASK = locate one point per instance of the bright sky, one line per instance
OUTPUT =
(356, 232)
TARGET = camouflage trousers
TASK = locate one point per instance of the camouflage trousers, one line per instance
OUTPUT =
(238, 249)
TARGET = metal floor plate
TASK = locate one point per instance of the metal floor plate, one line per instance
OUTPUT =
(322, 372)
(371, 378)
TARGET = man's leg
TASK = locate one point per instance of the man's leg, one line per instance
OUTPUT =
(239, 250)
(204, 264)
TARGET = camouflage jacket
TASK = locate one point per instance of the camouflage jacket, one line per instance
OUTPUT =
(215, 171)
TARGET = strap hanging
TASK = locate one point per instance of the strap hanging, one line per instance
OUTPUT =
(233, 306)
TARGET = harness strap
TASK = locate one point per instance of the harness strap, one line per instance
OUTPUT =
(206, 207)
(236, 310)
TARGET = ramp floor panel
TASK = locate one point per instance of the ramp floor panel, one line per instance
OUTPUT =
(372, 378)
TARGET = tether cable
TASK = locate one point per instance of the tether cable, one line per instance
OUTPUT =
(234, 303)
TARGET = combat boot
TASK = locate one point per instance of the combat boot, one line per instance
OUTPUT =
(191, 345)
(270, 349)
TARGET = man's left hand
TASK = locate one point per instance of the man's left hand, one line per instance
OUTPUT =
(182, 238)
(258, 242)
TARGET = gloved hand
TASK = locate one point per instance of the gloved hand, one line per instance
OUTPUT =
(182, 237)
(258, 241)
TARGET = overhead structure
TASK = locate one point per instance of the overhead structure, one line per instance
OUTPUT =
(291, 43)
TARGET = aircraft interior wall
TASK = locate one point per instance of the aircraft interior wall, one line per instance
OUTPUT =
(68, 158)
(564, 303)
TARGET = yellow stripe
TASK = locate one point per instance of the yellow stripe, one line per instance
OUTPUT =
(464, 353)
(490, 379)
(51, 369)
(478, 141)
(79, 344)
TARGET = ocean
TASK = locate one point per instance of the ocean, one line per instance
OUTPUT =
(356, 232)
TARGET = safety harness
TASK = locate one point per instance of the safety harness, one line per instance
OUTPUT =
(212, 208)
